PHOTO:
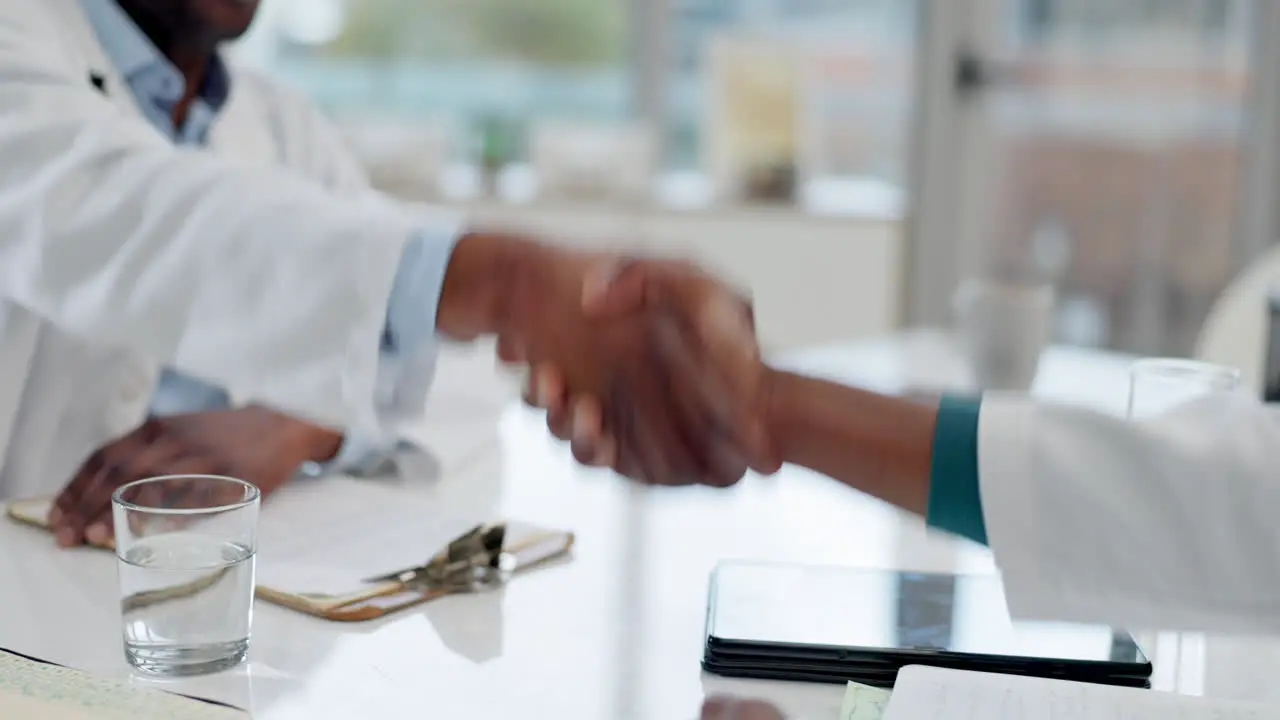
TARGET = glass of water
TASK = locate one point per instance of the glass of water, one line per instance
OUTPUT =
(1159, 385)
(185, 546)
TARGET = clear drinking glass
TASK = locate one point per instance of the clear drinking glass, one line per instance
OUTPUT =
(1004, 327)
(1158, 385)
(185, 546)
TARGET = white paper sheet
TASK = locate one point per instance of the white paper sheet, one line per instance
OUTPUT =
(326, 536)
(925, 693)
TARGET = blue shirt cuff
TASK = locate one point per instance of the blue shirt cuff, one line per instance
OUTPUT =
(415, 293)
(360, 456)
(177, 394)
(955, 497)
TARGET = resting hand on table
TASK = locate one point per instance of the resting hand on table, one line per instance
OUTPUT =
(712, 393)
(252, 443)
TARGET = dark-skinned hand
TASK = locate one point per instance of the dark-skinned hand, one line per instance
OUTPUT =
(701, 334)
(254, 444)
(643, 366)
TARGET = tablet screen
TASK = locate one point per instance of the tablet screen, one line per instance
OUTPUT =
(884, 610)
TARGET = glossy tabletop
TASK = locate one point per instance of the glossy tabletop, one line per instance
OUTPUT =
(617, 631)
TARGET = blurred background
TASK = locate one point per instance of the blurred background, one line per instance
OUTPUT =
(851, 161)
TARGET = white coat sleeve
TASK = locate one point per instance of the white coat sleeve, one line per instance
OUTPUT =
(259, 281)
(407, 365)
(1169, 523)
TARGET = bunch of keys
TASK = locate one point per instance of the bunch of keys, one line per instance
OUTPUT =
(474, 562)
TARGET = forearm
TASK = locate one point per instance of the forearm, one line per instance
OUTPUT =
(489, 275)
(877, 444)
(472, 300)
(917, 456)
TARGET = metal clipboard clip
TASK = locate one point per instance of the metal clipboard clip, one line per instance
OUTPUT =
(475, 561)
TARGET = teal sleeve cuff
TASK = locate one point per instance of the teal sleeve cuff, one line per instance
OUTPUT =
(955, 499)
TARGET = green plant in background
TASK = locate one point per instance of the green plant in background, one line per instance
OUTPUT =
(497, 135)
(564, 33)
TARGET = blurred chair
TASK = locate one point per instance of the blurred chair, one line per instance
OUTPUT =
(593, 161)
(404, 159)
(1235, 332)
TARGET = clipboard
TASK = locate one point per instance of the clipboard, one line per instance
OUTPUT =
(523, 548)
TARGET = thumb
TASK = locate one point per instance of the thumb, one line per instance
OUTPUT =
(614, 287)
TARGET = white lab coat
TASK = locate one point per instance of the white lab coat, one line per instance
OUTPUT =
(1171, 523)
(264, 265)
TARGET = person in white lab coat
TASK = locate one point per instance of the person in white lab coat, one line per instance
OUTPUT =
(1167, 523)
(159, 210)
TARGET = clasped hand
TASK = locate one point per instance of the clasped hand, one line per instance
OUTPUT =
(661, 380)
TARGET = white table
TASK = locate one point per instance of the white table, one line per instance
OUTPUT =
(617, 632)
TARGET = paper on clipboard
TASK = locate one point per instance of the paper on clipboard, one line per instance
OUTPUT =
(325, 537)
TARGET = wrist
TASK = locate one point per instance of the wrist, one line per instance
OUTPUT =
(321, 444)
(780, 418)
(309, 442)
(476, 297)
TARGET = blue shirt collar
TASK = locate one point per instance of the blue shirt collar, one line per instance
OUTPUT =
(134, 55)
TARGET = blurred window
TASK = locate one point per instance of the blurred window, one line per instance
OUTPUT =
(834, 98)
(1118, 143)
(816, 90)
(487, 66)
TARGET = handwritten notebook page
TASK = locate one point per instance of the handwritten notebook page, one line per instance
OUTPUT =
(925, 693)
(30, 689)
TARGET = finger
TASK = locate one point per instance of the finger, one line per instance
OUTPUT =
(606, 453)
(625, 461)
(163, 495)
(68, 498)
(702, 409)
(510, 350)
(545, 387)
(560, 422)
(587, 427)
(663, 454)
(629, 284)
(100, 531)
(143, 462)
(601, 293)
(67, 518)
(645, 459)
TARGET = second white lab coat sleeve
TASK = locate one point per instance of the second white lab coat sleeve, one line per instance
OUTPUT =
(1169, 523)
(260, 281)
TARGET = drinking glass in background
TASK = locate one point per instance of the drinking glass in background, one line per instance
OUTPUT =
(1158, 385)
(185, 546)
(1004, 326)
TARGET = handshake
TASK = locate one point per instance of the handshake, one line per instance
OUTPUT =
(648, 367)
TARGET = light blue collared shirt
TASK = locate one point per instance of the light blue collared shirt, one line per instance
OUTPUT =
(157, 86)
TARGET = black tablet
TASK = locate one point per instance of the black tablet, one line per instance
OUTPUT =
(809, 623)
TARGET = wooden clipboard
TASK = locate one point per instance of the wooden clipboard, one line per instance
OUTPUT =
(531, 548)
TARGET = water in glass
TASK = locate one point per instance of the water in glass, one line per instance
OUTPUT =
(186, 601)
